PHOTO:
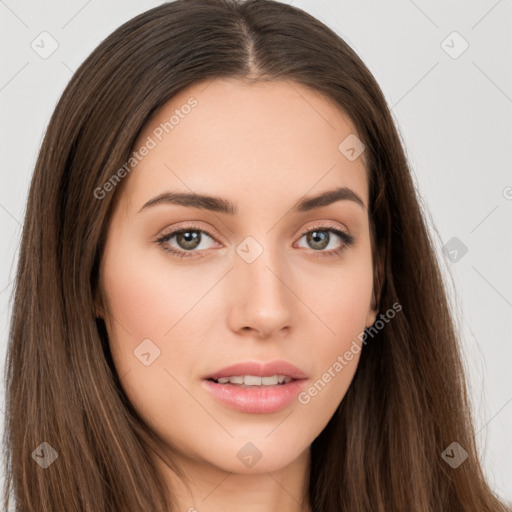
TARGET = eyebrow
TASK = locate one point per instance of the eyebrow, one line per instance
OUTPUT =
(217, 204)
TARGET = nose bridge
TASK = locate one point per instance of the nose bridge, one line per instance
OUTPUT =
(257, 263)
(263, 298)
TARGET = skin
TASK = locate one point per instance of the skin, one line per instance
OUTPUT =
(263, 146)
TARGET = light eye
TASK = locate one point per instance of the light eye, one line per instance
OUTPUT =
(188, 240)
(320, 240)
(191, 241)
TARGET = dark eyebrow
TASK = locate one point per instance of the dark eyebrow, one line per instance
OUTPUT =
(327, 198)
(217, 204)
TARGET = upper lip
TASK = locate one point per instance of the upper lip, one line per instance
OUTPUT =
(259, 369)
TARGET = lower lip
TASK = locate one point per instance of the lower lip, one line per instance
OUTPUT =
(256, 400)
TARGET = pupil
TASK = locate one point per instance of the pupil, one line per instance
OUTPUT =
(189, 239)
(319, 237)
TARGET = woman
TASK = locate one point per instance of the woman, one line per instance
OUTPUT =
(227, 297)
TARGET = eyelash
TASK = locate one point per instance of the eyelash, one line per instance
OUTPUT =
(348, 240)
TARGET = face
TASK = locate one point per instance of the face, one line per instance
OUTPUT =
(191, 287)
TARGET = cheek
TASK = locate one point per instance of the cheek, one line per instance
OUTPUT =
(340, 301)
(154, 336)
(146, 296)
(149, 305)
(339, 297)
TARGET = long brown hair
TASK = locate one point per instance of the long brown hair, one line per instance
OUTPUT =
(407, 402)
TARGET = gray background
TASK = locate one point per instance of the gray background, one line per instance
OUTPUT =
(453, 110)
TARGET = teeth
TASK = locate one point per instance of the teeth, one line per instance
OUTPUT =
(253, 380)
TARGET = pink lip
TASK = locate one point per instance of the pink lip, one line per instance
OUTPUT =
(257, 400)
(254, 399)
(259, 369)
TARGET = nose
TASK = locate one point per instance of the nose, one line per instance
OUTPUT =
(261, 298)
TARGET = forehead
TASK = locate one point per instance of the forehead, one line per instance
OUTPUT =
(266, 140)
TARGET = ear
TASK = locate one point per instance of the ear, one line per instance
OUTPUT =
(98, 305)
(99, 313)
(378, 280)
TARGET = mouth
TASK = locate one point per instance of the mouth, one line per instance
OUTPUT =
(256, 388)
(245, 381)
(251, 371)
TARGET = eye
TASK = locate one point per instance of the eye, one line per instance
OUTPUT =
(192, 239)
(320, 238)
(188, 239)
